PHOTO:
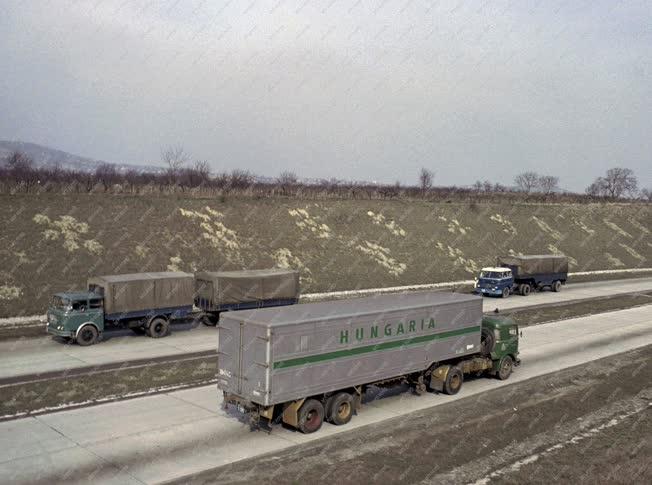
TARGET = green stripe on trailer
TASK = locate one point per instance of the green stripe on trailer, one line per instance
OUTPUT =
(338, 354)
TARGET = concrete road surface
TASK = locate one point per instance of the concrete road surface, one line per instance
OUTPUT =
(29, 356)
(162, 437)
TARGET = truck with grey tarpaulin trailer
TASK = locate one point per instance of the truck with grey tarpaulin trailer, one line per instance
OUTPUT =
(148, 302)
(523, 274)
(222, 291)
(309, 363)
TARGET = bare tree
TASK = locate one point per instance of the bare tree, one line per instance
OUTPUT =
(527, 181)
(21, 168)
(646, 194)
(287, 181)
(203, 170)
(107, 175)
(425, 179)
(619, 182)
(287, 178)
(240, 179)
(174, 158)
(616, 183)
(548, 184)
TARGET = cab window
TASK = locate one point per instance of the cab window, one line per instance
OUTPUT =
(79, 305)
(94, 304)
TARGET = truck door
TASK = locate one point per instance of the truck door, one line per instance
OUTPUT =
(228, 355)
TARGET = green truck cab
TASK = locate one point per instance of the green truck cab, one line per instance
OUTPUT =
(76, 315)
(499, 341)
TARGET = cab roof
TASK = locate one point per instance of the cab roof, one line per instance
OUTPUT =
(77, 295)
(495, 268)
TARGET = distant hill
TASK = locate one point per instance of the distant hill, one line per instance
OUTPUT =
(45, 156)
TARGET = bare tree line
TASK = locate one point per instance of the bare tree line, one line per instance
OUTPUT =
(19, 174)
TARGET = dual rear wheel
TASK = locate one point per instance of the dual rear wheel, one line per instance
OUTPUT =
(338, 410)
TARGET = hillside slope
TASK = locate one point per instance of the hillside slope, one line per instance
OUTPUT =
(44, 156)
(54, 242)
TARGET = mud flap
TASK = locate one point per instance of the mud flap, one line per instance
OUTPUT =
(357, 400)
(438, 377)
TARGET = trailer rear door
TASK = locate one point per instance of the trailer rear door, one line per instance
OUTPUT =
(243, 358)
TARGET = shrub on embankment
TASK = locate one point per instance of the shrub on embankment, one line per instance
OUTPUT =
(53, 242)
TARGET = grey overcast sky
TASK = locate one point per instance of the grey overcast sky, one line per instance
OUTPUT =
(368, 90)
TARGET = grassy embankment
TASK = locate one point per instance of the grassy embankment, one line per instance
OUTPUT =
(53, 242)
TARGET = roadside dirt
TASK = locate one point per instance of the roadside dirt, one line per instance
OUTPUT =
(101, 386)
(563, 311)
(587, 424)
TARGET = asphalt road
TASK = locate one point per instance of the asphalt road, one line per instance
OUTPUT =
(171, 436)
(37, 355)
(565, 427)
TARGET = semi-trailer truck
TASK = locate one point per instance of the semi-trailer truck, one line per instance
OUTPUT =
(311, 363)
(523, 274)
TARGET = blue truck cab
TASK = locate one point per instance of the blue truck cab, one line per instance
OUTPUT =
(495, 281)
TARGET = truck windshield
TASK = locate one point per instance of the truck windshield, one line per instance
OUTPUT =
(494, 274)
(60, 303)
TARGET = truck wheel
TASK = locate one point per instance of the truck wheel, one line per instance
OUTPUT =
(525, 289)
(87, 335)
(556, 286)
(341, 409)
(505, 367)
(311, 416)
(487, 341)
(505, 292)
(208, 321)
(454, 381)
(159, 327)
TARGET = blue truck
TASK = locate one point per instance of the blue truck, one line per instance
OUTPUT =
(523, 274)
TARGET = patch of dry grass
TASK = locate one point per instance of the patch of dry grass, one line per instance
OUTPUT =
(336, 244)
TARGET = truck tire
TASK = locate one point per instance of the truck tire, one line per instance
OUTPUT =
(209, 320)
(88, 335)
(505, 293)
(454, 380)
(505, 367)
(487, 341)
(556, 286)
(158, 327)
(311, 416)
(525, 289)
(340, 410)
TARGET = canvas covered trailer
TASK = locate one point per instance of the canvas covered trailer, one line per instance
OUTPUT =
(126, 294)
(532, 265)
(275, 355)
(226, 290)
